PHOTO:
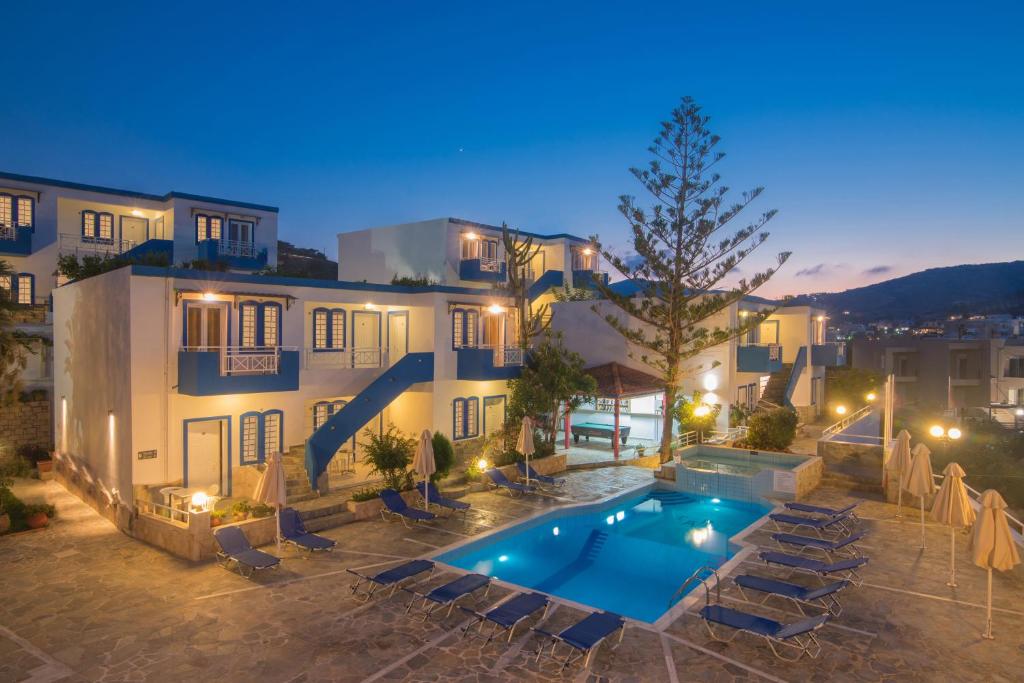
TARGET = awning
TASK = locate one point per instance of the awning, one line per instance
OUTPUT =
(619, 381)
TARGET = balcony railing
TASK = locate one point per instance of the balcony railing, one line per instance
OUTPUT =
(343, 359)
(246, 360)
(237, 248)
(490, 265)
(759, 357)
(71, 243)
(7, 232)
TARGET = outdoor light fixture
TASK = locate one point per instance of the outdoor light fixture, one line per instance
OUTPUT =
(871, 396)
(209, 296)
(954, 433)
(588, 251)
(471, 236)
(481, 464)
(495, 309)
(136, 213)
(368, 306)
(503, 558)
(701, 411)
(744, 314)
(821, 318)
(716, 501)
(200, 500)
(620, 515)
(554, 532)
(937, 431)
(610, 520)
(840, 410)
(1020, 412)
(710, 382)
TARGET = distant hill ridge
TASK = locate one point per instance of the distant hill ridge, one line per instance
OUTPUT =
(936, 292)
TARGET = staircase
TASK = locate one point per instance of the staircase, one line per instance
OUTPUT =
(592, 546)
(671, 498)
(296, 480)
(775, 392)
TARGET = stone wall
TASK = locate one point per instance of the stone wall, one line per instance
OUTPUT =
(23, 424)
(862, 462)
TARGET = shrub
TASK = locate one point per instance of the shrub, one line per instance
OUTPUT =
(368, 493)
(16, 467)
(444, 456)
(389, 454)
(11, 505)
(262, 510)
(689, 421)
(241, 508)
(33, 453)
(737, 415)
(773, 430)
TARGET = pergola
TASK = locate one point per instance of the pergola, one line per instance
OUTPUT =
(618, 382)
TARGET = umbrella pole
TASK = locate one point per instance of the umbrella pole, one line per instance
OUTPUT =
(922, 521)
(278, 529)
(988, 610)
(426, 494)
(527, 455)
(899, 501)
(952, 558)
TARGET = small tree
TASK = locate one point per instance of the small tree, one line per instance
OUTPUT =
(772, 430)
(444, 456)
(553, 382)
(684, 257)
(686, 414)
(13, 346)
(519, 253)
(389, 454)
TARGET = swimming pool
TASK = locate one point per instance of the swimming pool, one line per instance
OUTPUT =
(628, 555)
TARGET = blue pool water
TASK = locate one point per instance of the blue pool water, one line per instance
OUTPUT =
(628, 555)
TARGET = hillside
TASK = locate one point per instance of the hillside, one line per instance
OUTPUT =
(936, 292)
(295, 261)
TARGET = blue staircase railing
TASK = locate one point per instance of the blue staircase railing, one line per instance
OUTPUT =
(550, 278)
(340, 427)
(794, 375)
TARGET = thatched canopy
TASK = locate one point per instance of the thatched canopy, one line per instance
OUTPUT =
(618, 381)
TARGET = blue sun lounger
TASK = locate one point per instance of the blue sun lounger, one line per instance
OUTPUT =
(237, 554)
(584, 637)
(396, 506)
(534, 475)
(437, 499)
(448, 594)
(506, 616)
(845, 569)
(826, 597)
(798, 636)
(833, 525)
(847, 543)
(392, 578)
(294, 531)
(500, 481)
(821, 510)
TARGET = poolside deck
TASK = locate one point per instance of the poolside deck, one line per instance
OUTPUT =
(82, 602)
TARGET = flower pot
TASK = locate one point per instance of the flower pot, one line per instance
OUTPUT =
(37, 520)
(44, 466)
(216, 521)
(5, 523)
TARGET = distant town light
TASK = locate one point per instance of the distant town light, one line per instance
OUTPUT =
(840, 410)
(954, 433)
(937, 431)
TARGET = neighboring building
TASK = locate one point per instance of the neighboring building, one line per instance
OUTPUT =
(1000, 326)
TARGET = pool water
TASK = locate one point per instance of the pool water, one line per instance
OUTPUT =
(628, 555)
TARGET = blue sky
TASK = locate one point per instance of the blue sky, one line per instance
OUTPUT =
(888, 135)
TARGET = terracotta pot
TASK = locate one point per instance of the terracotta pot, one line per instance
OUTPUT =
(45, 465)
(37, 520)
(5, 523)
(216, 521)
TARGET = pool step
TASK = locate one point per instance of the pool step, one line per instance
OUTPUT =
(593, 545)
(671, 498)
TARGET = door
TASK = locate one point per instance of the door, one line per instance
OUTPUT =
(134, 231)
(493, 327)
(205, 326)
(366, 338)
(398, 335)
(206, 456)
(494, 414)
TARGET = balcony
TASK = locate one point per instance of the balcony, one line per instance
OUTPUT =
(482, 270)
(829, 354)
(584, 279)
(763, 359)
(489, 362)
(233, 253)
(204, 371)
(345, 359)
(15, 241)
(79, 245)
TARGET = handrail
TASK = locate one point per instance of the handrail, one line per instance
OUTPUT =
(159, 510)
(358, 357)
(8, 232)
(847, 421)
(707, 591)
(794, 375)
(976, 495)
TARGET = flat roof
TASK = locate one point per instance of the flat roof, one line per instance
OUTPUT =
(132, 193)
(525, 233)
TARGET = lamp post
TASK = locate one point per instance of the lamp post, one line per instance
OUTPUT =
(703, 410)
(945, 435)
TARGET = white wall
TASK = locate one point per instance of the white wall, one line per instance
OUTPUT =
(412, 249)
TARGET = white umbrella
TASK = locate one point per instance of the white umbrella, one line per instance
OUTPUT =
(525, 444)
(899, 465)
(423, 463)
(271, 490)
(953, 508)
(920, 481)
(992, 545)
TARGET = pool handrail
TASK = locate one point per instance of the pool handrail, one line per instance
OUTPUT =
(696, 576)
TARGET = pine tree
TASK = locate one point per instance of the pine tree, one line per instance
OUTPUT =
(686, 246)
(519, 254)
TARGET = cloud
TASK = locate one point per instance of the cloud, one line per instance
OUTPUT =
(878, 270)
(813, 271)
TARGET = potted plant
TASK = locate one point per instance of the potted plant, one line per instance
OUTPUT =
(217, 517)
(37, 515)
(640, 451)
(241, 509)
(38, 456)
(261, 510)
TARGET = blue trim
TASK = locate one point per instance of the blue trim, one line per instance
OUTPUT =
(16, 287)
(242, 459)
(550, 279)
(753, 358)
(522, 233)
(16, 211)
(794, 376)
(504, 407)
(184, 446)
(399, 314)
(353, 335)
(263, 431)
(131, 193)
(242, 305)
(456, 343)
(261, 330)
(455, 432)
(478, 364)
(199, 375)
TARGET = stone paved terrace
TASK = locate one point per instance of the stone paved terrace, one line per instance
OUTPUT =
(82, 602)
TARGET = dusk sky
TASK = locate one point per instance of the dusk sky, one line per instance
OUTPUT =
(889, 136)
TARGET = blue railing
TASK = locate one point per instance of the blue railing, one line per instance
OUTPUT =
(794, 376)
(758, 358)
(550, 278)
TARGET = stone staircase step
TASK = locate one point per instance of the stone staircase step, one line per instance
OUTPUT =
(299, 497)
(325, 511)
(328, 521)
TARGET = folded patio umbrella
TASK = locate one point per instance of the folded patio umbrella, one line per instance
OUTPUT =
(952, 508)
(423, 463)
(992, 545)
(899, 465)
(271, 490)
(919, 480)
(525, 444)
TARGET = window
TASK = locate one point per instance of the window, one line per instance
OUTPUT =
(465, 418)
(607, 405)
(323, 410)
(458, 327)
(259, 324)
(216, 224)
(464, 327)
(6, 287)
(208, 227)
(271, 321)
(1015, 368)
(584, 259)
(240, 231)
(25, 212)
(26, 288)
(106, 226)
(262, 434)
(328, 329)
(247, 325)
(271, 432)
(89, 225)
(6, 210)
(250, 439)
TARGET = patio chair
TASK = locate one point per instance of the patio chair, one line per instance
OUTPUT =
(833, 525)
(798, 636)
(507, 616)
(293, 531)
(500, 481)
(450, 593)
(542, 478)
(237, 554)
(437, 499)
(392, 578)
(826, 597)
(844, 543)
(584, 637)
(826, 511)
(395, 506)
(845, 569)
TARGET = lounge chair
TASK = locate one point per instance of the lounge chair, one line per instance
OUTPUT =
(798, 636)
(584, 637)
(506, 616)
(822, 510)
(437, 499)
(236, 554)
(396, 506)
(525, 469)
(826, 597)
(845, 569)
(294, 531)
(389, 577)
(834, 525)
(500, 481)
(843, 543)
(448, 594)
